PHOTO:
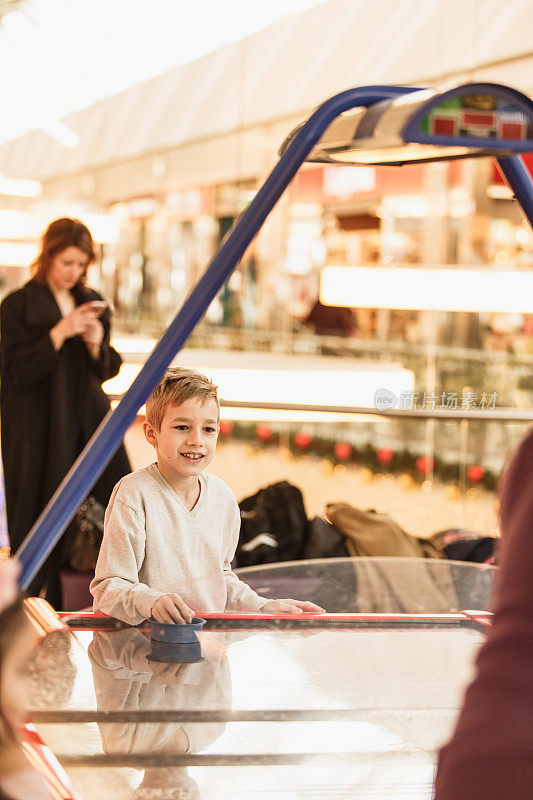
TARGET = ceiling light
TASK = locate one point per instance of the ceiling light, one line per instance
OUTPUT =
(19, 187)
(425, 289)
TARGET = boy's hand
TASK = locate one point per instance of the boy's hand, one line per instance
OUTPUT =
(171, 608)
(164, 672)
(289, 606)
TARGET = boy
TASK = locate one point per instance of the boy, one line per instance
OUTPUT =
(171, 529)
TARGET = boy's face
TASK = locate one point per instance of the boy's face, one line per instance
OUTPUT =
(186, 443)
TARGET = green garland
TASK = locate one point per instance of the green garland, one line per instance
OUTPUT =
(400, 461)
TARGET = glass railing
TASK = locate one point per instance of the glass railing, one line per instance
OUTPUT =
(508, 374)
(453, 451)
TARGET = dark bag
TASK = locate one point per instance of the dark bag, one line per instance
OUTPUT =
(459, 544)
(84, 536)
(323, 540)
(273, 525)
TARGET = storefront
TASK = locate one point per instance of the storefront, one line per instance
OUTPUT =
(434, 216)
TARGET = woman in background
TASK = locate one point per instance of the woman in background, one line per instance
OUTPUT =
(55, 353)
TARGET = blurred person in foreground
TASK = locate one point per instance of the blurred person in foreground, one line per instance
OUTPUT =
(18, 780)
(10, 570)
(490, 755)
(55, 353)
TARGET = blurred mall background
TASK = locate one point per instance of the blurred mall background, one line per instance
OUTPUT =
(155, 123)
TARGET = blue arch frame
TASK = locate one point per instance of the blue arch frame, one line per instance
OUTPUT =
(48, 529)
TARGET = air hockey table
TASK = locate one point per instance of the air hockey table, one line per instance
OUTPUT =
(350, 704)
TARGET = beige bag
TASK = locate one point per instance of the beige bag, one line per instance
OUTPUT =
(369, 533)
(387, 586)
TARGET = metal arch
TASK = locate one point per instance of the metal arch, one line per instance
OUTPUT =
(48, 529)
(515, 173)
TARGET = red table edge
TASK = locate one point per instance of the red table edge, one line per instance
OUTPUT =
(483, 617)
(45, 619)
(42, 759)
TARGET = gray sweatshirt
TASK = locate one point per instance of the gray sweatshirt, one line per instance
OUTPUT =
(153, 545)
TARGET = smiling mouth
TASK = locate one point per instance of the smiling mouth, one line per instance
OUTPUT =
(193, 457)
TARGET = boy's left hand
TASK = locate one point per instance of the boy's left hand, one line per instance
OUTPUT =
(288, 606)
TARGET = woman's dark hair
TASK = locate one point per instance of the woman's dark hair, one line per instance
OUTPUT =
(59, 235)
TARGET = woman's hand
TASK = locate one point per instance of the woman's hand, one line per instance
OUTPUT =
(74, 324)
(93, 337)
(288, 606)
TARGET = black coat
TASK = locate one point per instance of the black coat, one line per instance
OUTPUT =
(50, 404)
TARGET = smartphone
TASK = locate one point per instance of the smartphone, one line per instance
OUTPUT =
(99, 306)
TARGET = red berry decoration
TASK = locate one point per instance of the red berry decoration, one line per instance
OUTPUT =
(226, 427)
(385, 455)
(424, 464)
(264, 433)
(302, 440)
(475, 473)
(342, 450)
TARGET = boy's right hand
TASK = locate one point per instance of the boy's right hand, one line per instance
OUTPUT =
(171, 608)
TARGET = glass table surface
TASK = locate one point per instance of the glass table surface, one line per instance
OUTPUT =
(349, 709)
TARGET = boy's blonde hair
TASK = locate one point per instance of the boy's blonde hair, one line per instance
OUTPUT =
(176, 386)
